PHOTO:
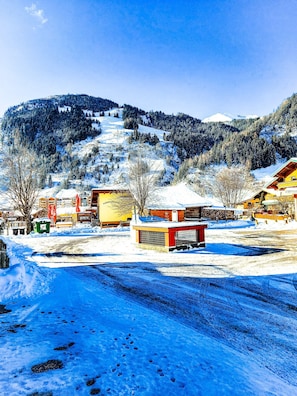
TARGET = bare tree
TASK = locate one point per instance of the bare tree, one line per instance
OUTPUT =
(286, 203)
(21, 178)
(230, 185)
(142, 182)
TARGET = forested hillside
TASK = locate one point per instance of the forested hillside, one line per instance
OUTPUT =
(255, 143)
(189, 134)
(53, 125)
(49, 125)
(261, 143)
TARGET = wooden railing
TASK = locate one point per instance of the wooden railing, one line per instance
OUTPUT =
(272, 216)
(17, 224)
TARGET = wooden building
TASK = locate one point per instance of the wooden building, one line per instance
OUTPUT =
(66, 209)
(284, 186)
(176, 203)
(254, 201)
(259, 202)
(277, 201)
(285, 178)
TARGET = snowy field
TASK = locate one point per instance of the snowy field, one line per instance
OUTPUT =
(86, 312)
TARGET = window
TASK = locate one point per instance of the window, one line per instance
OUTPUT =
(185, 237)
(152, 238)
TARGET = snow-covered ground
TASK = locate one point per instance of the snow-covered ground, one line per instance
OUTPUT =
(112, 319)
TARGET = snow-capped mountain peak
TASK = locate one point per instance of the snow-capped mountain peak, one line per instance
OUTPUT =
(224, 117)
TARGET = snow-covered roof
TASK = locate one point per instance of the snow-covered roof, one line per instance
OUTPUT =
(66, 210)
(169, 224)
(42, 220)
(111, 188)
(253, 193)
(176, 197)
(283, 171)
(66, 194)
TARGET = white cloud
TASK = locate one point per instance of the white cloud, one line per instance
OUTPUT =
(38, 14)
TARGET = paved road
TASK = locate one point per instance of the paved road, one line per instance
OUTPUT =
(241, 289)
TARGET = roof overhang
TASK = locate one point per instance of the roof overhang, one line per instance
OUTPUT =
(97, 191)
(272, 184)
(287, 168)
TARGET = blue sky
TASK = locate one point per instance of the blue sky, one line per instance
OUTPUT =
(195, 56)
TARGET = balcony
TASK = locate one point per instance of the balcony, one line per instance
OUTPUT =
(286, 184)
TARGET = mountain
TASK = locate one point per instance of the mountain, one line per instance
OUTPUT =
(49, 125)
(191, 136)
(81, 141)
(259, 143)
(85, 141)
(91, 139)
(220, 117)
(52, 102)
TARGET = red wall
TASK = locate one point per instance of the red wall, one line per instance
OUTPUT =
(167, 214)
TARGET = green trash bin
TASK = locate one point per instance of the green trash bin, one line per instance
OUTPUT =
(41, 225)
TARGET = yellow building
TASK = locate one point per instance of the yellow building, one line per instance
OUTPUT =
(284, 185)
(285, 178)
(253, 202)
(278, 199)
(259, 200)
(113, 206)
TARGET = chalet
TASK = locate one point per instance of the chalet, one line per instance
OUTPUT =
(264, 205)
(285, 178)
(284, 185)
(112, 206)
(176, 203)
(254, 201)
(278, 200)
(258, 201)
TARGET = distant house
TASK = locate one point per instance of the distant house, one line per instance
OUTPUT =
(253, 201)
(67, 207)
(110, 205)
(176, 203)
(263, 204)
(258, 200)
(278, 199)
